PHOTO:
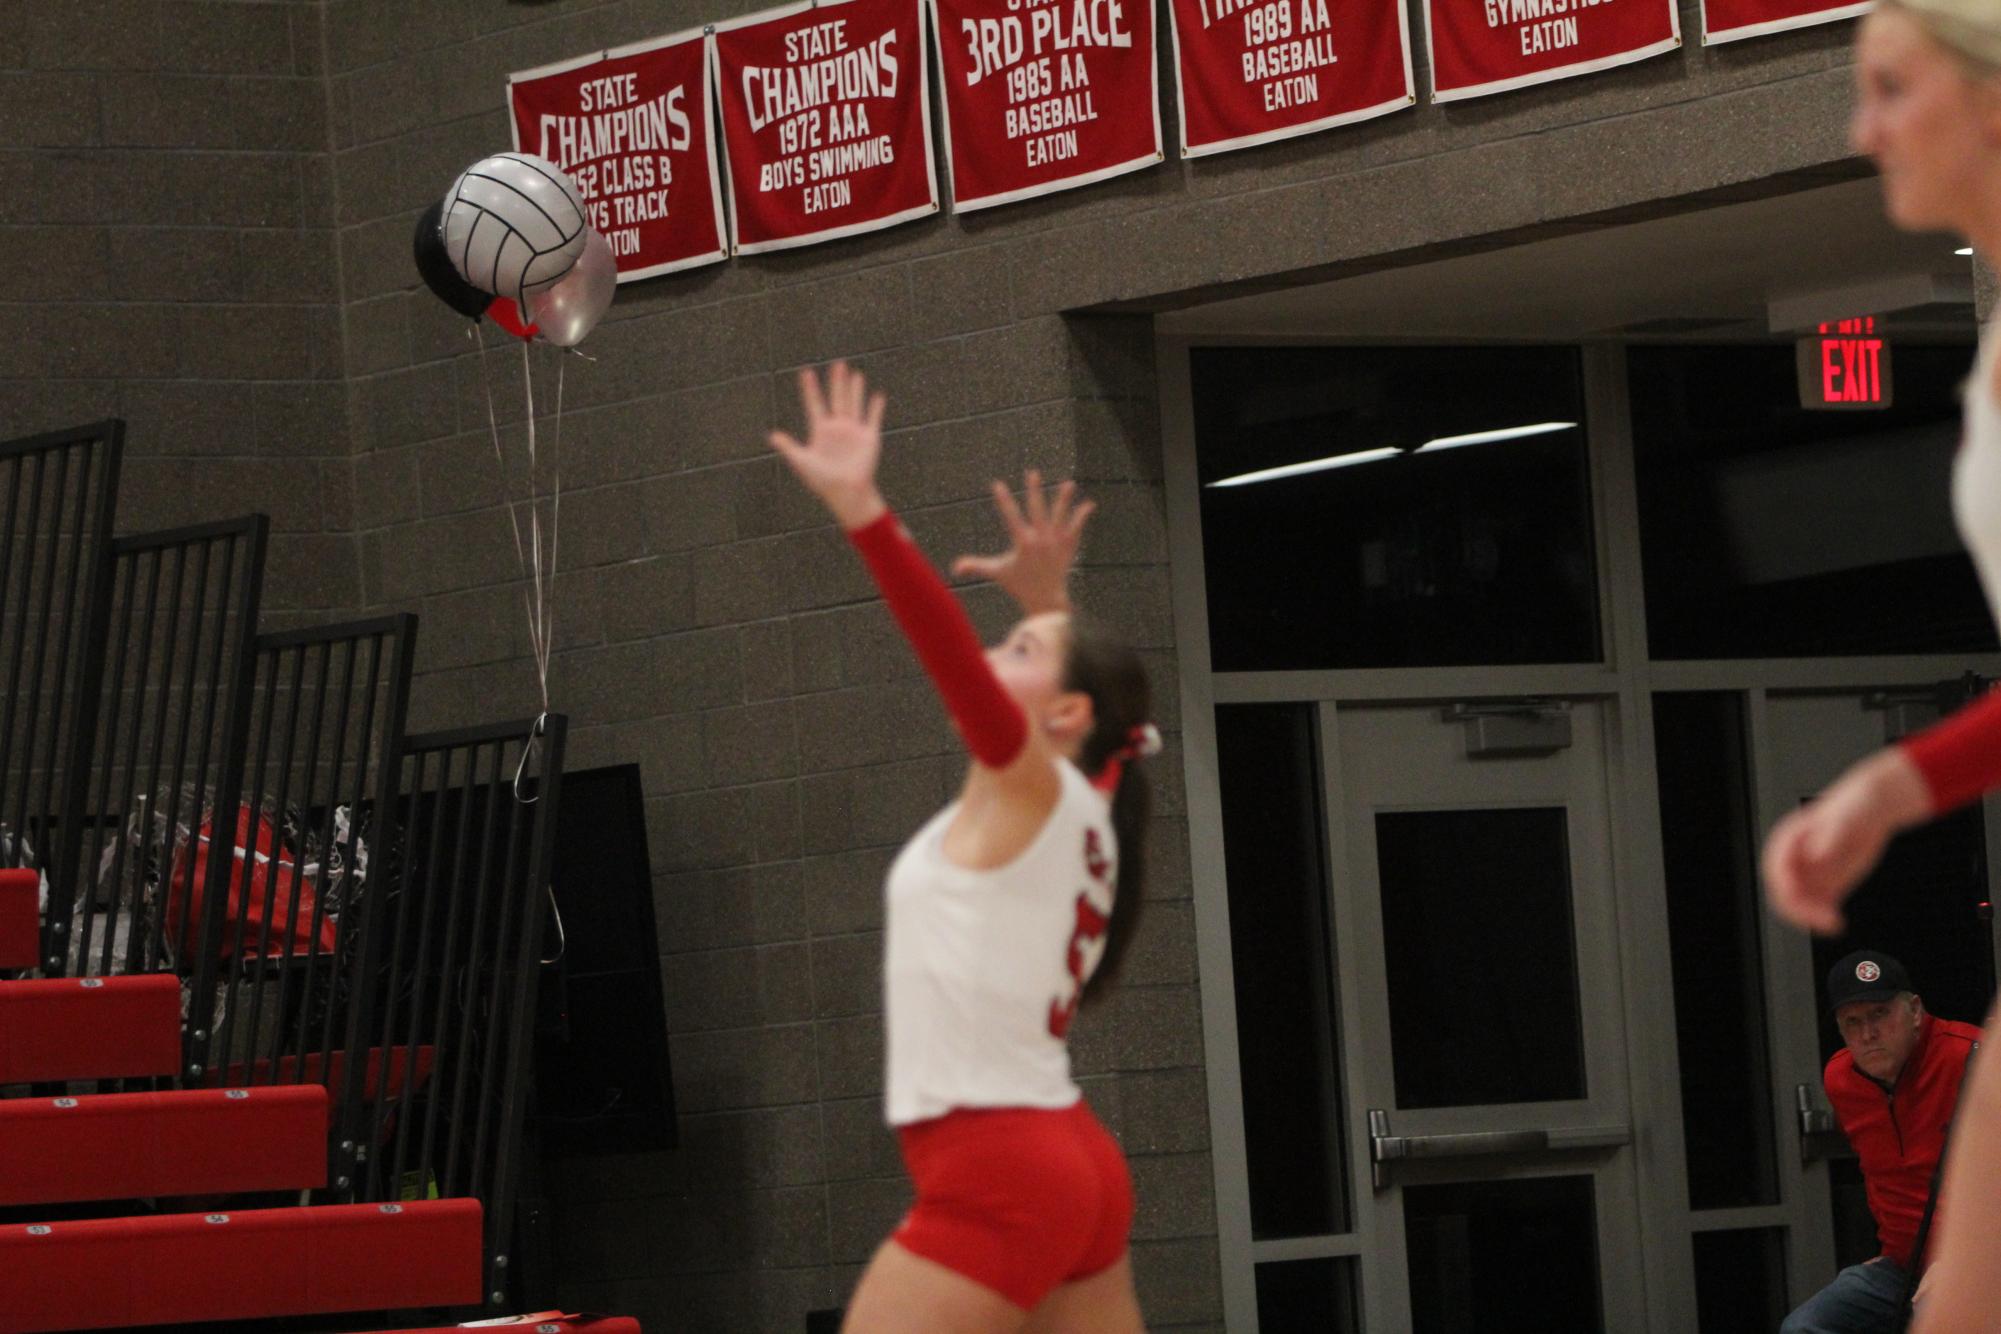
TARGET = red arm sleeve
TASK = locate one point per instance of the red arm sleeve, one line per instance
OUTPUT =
(1960, 757)
(989, 720)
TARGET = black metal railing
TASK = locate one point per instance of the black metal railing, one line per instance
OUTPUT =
(57, 495)
(344, 904)
(445, 1012)
(283, 854)
(160, 694)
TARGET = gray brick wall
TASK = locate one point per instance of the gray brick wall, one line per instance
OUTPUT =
(210, 202)
(166, 211)
(715, 630)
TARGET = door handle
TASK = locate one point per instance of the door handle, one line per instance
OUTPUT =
(1820, 1135)
(1385, 1148)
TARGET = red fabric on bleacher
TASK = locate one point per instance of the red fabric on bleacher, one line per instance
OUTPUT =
(122, 1146)
(264, 874)
(20, 919)
(90, 1028)
(103, 1273)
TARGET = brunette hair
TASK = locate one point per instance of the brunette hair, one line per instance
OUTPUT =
(1101, 666)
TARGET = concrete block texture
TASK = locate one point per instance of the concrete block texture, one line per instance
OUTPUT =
(211, 200)
(165, 269)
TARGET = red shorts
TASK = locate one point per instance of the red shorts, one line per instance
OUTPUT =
(1018, 1199)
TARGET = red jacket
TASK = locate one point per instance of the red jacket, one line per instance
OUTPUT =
(1899, 1132)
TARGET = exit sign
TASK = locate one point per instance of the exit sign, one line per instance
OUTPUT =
(1845, 367)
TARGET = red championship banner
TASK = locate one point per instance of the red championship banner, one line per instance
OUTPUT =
(826, 121)
(633, 130)
(1045, 95)
(1491, 46)
(1734, 20)
(1251, 71)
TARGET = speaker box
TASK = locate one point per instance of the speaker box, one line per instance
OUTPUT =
(602, 1080)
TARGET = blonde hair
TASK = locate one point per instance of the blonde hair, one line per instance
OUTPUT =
(1970, 29)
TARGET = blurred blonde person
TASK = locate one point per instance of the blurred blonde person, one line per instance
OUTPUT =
(1928, 113)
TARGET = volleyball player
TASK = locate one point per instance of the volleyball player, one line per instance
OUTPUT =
(1003, 913)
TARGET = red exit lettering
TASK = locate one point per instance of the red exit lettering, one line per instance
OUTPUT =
(1851, 370)
(1845, 366)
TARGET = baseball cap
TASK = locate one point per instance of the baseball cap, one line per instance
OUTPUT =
(1865, 975)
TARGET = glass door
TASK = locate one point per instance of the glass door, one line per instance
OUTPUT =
(1474, 908)
(1927, 904)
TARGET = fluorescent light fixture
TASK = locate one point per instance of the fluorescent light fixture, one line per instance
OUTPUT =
(1491, 437)
(1311, 465)
(1964, 250)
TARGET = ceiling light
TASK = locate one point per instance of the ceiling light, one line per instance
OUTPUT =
(1311, 465)
(1964, 250)
(1492, 437)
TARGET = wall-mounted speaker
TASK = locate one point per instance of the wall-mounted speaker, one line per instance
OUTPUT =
(602, 1079)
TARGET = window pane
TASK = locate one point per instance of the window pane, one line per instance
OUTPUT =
(1770, 531)
(1740, 1281)
(1309, 1297)
(1922, 905)
(1476, 553)
(1281, 942)
(1503, 1257)
(1714, 903)
(1482, 970)
(1855, 1240)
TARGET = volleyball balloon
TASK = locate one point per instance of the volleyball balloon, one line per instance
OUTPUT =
(514, 224)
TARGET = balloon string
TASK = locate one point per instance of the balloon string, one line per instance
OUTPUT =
(493, 427)
(535, 642)
(529, 750)
(531, 576)
(555, 522)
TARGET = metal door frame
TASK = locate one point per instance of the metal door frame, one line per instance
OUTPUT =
(1579, 784)
(1626, 679)
(1805, 1205)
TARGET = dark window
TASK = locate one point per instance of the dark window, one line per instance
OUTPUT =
(1923, 905)
(1740, 1281)
(1769, 531)
(1503, 1257)
(1855, 1240)
(1482, 970)
(1713, 901)
(1309, 1297)
(1281, 944)
(1464, 553)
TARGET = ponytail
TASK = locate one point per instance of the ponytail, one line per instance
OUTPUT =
(1121, 700)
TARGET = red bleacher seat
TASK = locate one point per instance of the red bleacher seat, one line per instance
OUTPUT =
(90, 1028)
(257, 1264)
(290, 1070)
(122, 1146)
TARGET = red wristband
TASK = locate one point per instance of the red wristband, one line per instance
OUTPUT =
(1960, 757)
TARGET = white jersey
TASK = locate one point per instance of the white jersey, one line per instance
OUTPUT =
(1976, 475)
(983, 969)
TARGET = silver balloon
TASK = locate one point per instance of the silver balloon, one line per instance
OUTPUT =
(567, 311)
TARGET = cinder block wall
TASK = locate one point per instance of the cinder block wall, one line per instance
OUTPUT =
(165, 182)
(714, 629)
(215, 199)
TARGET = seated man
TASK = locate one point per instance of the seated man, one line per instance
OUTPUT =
(1893, 1088)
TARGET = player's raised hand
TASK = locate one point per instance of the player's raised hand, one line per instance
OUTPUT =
(837, 459)
(1043, 535)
